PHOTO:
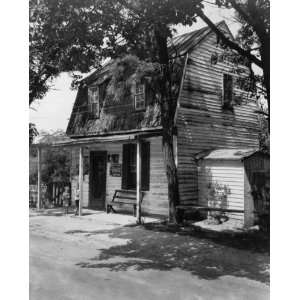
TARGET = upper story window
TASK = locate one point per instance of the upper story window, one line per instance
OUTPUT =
(96, 96)
(236, 88)
(227, 91)
(93, 101)
(139, 97)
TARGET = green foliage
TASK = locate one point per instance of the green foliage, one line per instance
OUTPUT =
(130, 69)
(56, 166)
(254, 34)
(124, 68)
(122, 77)
(56, 162)
(64, 36)
(76, 35)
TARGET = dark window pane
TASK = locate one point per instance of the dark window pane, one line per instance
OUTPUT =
(227, 90)
(129, 166)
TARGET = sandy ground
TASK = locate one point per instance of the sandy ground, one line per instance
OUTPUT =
(100, 256)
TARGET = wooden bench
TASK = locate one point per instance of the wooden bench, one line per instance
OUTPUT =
(123, 197)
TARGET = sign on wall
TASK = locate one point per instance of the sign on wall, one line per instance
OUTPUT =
(115, 170)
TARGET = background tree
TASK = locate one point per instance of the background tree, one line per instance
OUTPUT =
(75, 35)
(56, 163)
(33, 132)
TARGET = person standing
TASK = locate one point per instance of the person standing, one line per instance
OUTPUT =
(77, 195)
(66, 199)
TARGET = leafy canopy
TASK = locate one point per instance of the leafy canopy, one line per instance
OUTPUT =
(76, 35)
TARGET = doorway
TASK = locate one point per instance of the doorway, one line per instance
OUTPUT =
(97, 179)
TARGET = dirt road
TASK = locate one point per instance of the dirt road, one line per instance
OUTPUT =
(101, 256)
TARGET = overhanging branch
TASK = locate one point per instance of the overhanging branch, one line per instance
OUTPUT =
(247, 18)
(228, 42)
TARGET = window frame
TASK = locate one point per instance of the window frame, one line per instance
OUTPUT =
(235, 89)
(227, 105)
(139, 93)
(93, 113)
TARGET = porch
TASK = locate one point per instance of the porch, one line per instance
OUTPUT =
(100, 166)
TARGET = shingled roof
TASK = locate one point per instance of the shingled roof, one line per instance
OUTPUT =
(181, 44)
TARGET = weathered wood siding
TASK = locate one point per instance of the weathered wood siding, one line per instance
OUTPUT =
(155, 200)
(256, 165)
(221, 184)
(202, 123)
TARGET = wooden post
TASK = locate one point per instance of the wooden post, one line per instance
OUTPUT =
(138, 182)
(80, 180)
(39, 182)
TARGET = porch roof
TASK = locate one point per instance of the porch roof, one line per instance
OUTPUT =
(121, 137)
(227, 154)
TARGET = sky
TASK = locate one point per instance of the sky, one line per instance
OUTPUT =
(53, 111)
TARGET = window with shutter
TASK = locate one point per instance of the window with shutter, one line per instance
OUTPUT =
(129, 166)
(145, 166)
(227, 91)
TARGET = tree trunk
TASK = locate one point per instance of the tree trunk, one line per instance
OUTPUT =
(168, 107)
(171, 172)
(265, 55)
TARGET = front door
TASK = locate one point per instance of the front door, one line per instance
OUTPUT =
(97, 179)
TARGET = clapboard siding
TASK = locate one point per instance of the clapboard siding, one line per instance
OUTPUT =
(203, 124)
(216, 173)
(155, 200)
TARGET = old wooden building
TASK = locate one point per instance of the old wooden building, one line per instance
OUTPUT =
(234, 183)
(119, 140)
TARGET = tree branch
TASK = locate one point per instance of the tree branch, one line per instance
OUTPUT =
(228, 42)
(246, 17)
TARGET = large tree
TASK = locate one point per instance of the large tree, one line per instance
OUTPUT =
(75, 35)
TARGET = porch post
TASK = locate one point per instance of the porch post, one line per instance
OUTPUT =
(80, 180)
(138, 182)
(39, 191)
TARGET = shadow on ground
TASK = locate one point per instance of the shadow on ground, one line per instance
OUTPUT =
(205, 254)
(56, 212)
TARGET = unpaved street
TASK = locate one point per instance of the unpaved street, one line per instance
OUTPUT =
(100, 256)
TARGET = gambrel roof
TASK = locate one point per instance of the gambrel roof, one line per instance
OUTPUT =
(112, 119)
(182, 44)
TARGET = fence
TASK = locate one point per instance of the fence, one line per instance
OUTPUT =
(55, 191)
(51, 194)
(33, 192)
